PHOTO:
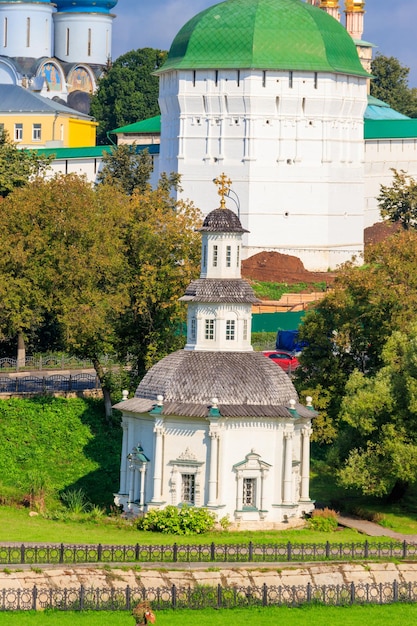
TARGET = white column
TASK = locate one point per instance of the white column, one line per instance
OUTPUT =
(212, 490)
(124, 460)
(131, 483)
(142, 485)
(305, 464)
(279, 458)
(288, 468)
(157, 471)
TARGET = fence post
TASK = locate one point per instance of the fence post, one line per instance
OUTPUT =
(289, 551)
(352, 593)
(212, 551)
(128, 598)
(82, 590)
(22, 553)
(175, 552)
(219, 596)
(327, 549)
(137, 552)
(174, 597)
(366, 553)
(395, 591)
(34, 597)
(264, 595)
(308, 592)
(404, 549)
(61, 553)
(250, 555)
(99, 552)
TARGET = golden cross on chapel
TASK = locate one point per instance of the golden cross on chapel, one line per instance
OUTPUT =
(223, 183)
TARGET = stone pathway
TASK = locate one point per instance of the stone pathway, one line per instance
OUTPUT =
(373, 530)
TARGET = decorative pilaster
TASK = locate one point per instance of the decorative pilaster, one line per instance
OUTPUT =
(305, 464)
(288, 436)
(355, 13)
(157, 472)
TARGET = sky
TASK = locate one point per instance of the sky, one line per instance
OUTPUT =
(389, 24)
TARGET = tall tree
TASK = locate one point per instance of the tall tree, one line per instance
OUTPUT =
(390, 84)
(349, 327)
(128, 92)
(17, 166)
(381, 414)
(63, 255)
(398, 201)
(126, 169)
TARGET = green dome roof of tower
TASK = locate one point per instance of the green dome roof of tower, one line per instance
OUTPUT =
(267, 35)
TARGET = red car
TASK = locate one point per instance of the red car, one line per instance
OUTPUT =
(287, 361)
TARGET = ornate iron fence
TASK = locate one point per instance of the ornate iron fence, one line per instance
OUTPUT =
(204, 596)
(47, 384)
(32, 554)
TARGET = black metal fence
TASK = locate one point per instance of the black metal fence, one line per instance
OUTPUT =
(48, 384)
(207, 553)
(204, 596)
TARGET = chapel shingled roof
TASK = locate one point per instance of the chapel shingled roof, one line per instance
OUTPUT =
(246, 384)
(222, 221)
(211, 290)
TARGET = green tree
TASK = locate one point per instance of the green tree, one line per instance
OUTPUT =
(17, 166)
(126, 169)
(398, 202)
(349, 327)
(163, 257)
(390, 84)
(63, 255)
(381, 414)
(128, 92)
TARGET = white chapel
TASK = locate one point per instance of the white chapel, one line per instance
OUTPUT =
(216, 424)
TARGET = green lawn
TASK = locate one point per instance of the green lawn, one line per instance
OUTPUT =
(16, 525)
(394, 615)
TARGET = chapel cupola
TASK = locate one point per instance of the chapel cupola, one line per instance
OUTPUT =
(220, 301)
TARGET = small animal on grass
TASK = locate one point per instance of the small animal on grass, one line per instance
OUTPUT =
(143, 614)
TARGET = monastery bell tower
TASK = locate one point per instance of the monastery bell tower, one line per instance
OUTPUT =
(355, 12)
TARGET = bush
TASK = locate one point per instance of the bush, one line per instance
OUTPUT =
(323, 520)
(178, 521)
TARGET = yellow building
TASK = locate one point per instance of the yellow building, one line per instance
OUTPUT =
(33, 121)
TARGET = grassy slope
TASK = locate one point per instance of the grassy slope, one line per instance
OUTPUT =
(395, 615)
(52, 444)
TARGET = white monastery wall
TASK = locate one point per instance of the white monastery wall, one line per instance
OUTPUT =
(381, 156)
(292, 143)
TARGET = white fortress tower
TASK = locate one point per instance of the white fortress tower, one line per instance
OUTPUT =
(26, 28)
(83, 30)
(273, 92)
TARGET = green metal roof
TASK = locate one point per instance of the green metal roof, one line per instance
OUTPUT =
(150, 125)
(391, 129)
(90, 152)
(264, 34)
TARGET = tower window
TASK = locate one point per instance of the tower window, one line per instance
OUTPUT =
(215, 255)
(89, 43)
(263, 78)
(238, 256)
(245, 330)
(228, 256)
(5, 33)
(249, 492)
(188, 488)
(204, 256)
(209, 330)
(67, 41)
(193, 329)
(316, 80)
(291, 80)
(230, 330)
